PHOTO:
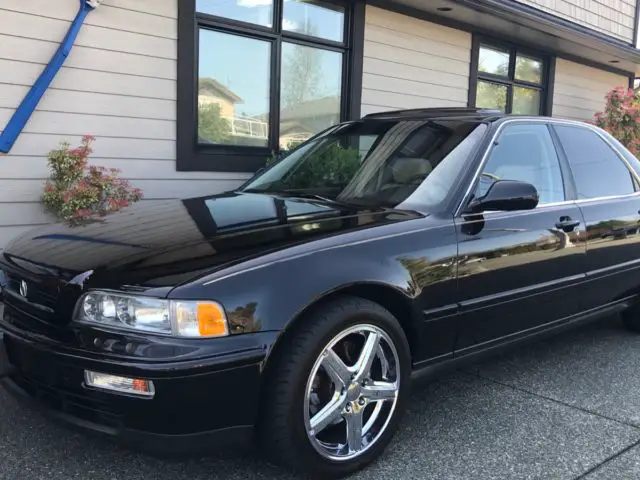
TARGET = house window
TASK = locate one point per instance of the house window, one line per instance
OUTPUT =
(259, 76)
(508, 78)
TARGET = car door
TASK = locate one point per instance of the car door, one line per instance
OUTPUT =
(519, 270)
(608, 195)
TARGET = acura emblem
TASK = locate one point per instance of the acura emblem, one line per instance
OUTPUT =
(23, 288)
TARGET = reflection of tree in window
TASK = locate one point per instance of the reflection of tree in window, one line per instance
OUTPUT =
(494, 93)
(331, 166)
(302, 72)
(211, 126)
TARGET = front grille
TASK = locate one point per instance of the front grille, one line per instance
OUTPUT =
(37, 293)
(72, 403)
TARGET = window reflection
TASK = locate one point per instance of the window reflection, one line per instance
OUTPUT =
(491, 95)
(526, 101)
(311, 88)
(259, 12)
(313, 18)
(528, 69)
(233, 96)
(494, 61)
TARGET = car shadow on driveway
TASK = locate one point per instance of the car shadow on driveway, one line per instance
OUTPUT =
(552, 410)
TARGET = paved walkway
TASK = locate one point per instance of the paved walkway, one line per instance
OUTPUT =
(566, 408)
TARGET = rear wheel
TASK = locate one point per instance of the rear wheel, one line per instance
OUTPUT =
(335, 395)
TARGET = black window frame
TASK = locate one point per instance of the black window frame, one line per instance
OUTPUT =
(548, 72)
(192, 156)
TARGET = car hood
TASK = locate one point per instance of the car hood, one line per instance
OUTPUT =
(166, 243)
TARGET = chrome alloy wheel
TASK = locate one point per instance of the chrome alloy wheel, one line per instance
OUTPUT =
(352, 392)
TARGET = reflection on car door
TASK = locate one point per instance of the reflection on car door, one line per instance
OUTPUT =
(608, 196)
(519, 270)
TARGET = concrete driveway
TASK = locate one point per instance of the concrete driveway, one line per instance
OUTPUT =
(564, 408)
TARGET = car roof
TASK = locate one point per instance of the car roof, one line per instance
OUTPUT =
(438, 113)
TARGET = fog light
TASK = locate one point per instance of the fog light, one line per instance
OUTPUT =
(114, 383)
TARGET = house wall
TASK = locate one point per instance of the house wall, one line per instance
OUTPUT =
(579, 91)
(611, 17)
(410, 63)
(119, 84)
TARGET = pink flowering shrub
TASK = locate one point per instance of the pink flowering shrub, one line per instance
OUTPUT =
(621, 117)
(78, 191)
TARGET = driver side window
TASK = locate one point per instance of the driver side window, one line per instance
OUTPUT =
(525, 152)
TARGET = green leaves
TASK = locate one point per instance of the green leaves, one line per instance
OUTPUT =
(77, 192)
(621, 117)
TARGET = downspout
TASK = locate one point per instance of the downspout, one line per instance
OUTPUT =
(28, 105)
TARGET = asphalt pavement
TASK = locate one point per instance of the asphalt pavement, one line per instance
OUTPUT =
(562, 408)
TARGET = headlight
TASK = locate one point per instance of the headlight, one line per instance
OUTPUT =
(173, 317)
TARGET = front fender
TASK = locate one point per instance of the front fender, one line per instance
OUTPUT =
(269, 297)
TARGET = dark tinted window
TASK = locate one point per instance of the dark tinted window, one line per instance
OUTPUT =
(376, 162)
(597, 169)
(525, 152)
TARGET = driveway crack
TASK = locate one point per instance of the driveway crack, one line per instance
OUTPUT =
(550, 399)
(607, 460)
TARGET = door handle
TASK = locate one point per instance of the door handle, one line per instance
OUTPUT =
(567, 224)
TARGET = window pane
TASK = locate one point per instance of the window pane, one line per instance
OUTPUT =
(311, 86)
(493, 60)
(526, 101)
(378, 162)
(525, 153)
(491, 95)
(259, 12)
(314, 18)
(528, 69)
(597, 170)
(233, 96)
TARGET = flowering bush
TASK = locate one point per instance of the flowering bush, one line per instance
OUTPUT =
(77, 191)
(621, 117)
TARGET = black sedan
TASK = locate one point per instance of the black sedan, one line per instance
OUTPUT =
(297, 309)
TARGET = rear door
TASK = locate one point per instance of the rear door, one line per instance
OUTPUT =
(520, 270)
(608, 195)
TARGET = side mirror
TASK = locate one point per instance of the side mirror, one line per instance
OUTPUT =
(506, 195)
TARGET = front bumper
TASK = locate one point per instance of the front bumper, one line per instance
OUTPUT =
(199, 406)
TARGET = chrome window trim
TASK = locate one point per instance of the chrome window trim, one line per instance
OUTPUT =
(546, 120)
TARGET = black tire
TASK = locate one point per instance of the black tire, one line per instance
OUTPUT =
(281, 431)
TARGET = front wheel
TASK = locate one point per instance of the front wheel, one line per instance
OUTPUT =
(335, 396)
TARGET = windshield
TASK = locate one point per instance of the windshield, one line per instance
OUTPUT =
(376, 162)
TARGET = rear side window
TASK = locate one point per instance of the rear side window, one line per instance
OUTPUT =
(597, 169)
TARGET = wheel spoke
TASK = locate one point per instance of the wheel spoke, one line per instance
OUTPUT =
(335, 368)
(354, 431)
(380, 391)
(330, 412)
(369, 350)
(358, 371)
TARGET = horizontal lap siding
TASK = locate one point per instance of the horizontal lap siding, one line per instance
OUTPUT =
(119, 84)
(611, 17)
(579, 91)
(410, 63)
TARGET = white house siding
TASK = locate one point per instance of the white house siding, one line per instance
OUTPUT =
(410, 63)
(119, 84)
(579, 91)
(612, 17)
